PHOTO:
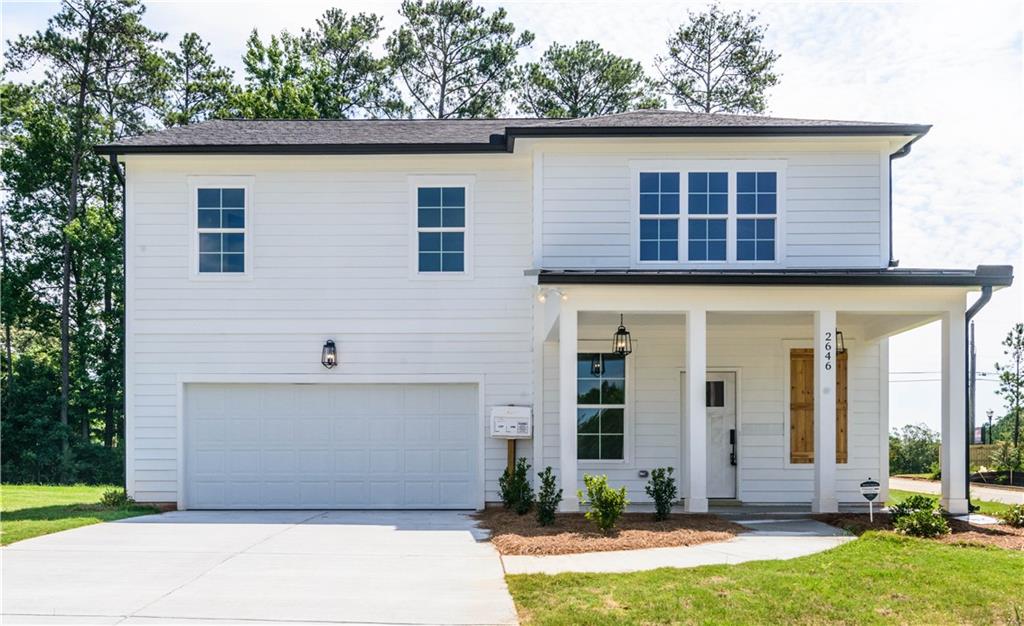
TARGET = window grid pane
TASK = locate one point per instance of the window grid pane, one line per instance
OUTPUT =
(221, 223)
(755, 239)
(708, 193)
(600, 413)
(443, 211)
(706, 241)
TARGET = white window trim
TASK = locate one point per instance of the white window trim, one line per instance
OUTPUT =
(194, 184)
(601, 346)
(787, 345)
(731, 167)
(468, 182)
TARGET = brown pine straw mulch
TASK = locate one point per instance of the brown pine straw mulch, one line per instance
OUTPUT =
(572, 533)
(1000, 535)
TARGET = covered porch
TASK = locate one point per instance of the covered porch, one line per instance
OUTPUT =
(785, 415)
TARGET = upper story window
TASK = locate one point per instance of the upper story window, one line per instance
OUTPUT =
(659, 216)
(221, 227)
(708, 212)
(441, 229)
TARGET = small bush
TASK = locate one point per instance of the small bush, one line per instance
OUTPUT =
(1014, 516)
(912, 504)
(117, 499)
(606, 504)
(662, 489)
(514, 487)
(922, 523)
(548, 498)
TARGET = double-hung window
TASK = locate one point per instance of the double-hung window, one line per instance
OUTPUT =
(221, 229)
(659, 216)
(441, 229)
(600, 406)
(707, 207)
(756, 199)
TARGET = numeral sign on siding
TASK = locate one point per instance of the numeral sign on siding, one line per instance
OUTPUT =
(828, 350)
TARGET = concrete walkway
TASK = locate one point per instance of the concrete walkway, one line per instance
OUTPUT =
(978, 492)
(270, 567)
(768, 540)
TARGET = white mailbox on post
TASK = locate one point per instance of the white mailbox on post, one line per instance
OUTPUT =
(511, 422)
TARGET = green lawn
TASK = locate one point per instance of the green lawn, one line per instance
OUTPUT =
(994, 509)
(32, 510)
(881, 578)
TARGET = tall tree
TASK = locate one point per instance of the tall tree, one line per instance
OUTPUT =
(277, 84)
(717, 63)
(1011, 384)
(90, 51)
(455, 59)
(197, 86)
(582, 81)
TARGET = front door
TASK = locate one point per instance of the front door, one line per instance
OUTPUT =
(721, 432)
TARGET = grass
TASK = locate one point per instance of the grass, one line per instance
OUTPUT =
(994, 509)
(32, 510)
(881, 578)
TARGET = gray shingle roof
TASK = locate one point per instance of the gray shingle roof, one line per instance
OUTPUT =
(478, 135)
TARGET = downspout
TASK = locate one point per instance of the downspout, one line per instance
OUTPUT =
(899, 154)
(979, 304)
(116, 169)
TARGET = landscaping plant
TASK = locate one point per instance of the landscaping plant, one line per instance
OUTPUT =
(606, 504)
(117, 499)
(548, 497)
(514, 487)
(662, 489)
(923, 523)
(1014, 516)
(915, 502)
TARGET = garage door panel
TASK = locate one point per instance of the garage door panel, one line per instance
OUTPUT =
(331, 446)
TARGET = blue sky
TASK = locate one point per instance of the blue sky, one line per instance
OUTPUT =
(959, 197)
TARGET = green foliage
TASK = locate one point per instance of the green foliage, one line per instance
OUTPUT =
(276, 84)
(912, 504)
(117, 499)
(584, 80)
(548, 497)
(454, 58)
(197, 87)
(514, 487)
(913, 449)
(1014, 516)
(662, 489)
(717, 63)
(922, 523)
(606, 504)
(1007, 457)
(1011, 387)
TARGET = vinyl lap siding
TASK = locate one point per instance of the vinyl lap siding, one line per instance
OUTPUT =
(835, 204)
(331, 255)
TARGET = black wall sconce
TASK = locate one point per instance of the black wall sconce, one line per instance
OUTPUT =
(329, 355)
(840, 345)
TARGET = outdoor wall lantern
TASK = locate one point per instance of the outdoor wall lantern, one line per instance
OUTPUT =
(840, 346)
(329, 355)
(621, 343)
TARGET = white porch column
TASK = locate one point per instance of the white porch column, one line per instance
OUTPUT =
(695, 453)
(954, 470)
(567, 342)
(825, 500)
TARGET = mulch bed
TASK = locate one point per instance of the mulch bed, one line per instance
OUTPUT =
(572, 533)
(1000, 535)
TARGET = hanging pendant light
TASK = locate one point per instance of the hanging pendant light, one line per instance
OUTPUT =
(621, 342)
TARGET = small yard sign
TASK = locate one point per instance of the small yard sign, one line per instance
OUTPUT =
(869, 489)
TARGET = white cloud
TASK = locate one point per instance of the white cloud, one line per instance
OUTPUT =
(959, 197)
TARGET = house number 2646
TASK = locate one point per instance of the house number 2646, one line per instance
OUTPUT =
(828, 350)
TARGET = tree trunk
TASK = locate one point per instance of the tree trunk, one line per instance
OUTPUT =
(7, 318)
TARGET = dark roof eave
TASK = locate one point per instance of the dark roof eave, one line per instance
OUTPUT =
(309, 149)
(985, 275)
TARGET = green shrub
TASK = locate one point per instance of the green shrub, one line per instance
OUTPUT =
(514, 487)
(1014, 516)
(662, 489)
(922, 523)
(117, 499)
(548, 498)
(606, 504)
(912, 504)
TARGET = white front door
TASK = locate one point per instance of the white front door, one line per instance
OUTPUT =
(722, 436)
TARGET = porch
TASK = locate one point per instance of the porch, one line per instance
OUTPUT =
(784, 419)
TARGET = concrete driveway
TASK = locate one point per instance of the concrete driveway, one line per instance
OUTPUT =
(271, 566)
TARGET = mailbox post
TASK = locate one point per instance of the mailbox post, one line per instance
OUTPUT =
(869, 489)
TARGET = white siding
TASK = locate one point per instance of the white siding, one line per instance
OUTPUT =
(331, 255)
(835, 212)
(760, 355)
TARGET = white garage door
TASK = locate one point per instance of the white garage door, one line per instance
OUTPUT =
(281, 446)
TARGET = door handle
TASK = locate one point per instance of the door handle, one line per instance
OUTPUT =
(732, 442)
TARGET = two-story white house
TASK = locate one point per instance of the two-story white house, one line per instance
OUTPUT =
(443, 268)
